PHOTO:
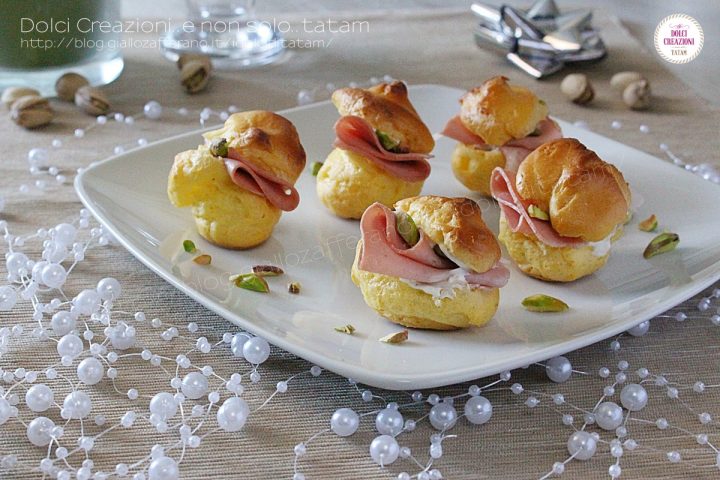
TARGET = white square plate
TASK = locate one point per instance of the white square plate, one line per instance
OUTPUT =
(127, 193)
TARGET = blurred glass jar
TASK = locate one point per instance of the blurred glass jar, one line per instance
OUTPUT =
(42, 39)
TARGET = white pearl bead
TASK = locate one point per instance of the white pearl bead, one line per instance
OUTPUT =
(38, 431)
(698, 387)
(238, 342)
(90, 371)
(70, 345)
(344, 422)
(109, 289)
(674, 457)
(443, 416)
(305, 97)
(384, 450)
(640, 329)
(163, 468)
(233, 413)
(194, 385)
(77, 405)
(389, 421)
(582, 445)
(614, 470)
(478, 410)
(558, 468)
(86, 302)
(37, 157)
(163, 405)
(39, 398)
(5, 410)
(558, 369)
(153, 110)
(256, 350)
(567, 419)
(661, 423)
(608, 415)
(8, 298)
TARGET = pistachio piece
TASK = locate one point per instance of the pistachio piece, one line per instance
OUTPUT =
(665, 242)
(92, 101)
(649, 224)
(294, 287)
(31, 111)
(267, 270)
(10, 94)
(577, 88)
(194, 76)
(189, 246)
(397, 337)
(544, 303)
(536, 212)
(186, 58)
(349, 329)
(637, 95)
(388, 143)
(316, 166)
(250, 281)
(203, 259)
(67, 85)
(621, 80)
(219, 147)
(406, 228)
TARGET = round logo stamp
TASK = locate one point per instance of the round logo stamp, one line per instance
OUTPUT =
(679, 38)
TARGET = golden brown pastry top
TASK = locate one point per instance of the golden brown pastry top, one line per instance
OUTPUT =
(386, 107)
(499, 112)
(456, 224)
(265, 139)
(584, 196)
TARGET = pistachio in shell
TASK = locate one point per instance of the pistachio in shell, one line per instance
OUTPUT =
(67, 85)
(186, 58)
(10, 94)
(194, 76)
(544, 303)
(92, 101)
(31, 111)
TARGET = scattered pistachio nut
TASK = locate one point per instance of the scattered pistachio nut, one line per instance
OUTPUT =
(203, 259)
(250, 281)
(189, 246)
(294, 287)
(267, 270)
(537, 212)
(397, 337)
(316, 166)
(621, 80)
(349, 329)
(186, 58)
(637, 95)
(92, 101)
(663, 243)
(31, 111)
(544, 303)
(67, 85)
(219, 147)
(406, 228)
(577, 88)
(649, 224)
(10, 94)
(194, 76)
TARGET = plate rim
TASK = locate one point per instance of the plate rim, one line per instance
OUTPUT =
(700, 281)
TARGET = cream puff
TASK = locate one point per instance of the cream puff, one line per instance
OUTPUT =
(431, 263)
(240, 181)
(381, 151)
(498, 126)
(562, 211)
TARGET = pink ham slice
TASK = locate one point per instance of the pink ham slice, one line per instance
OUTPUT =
(244, 174)
(502, 187)
(384, 251)
(514, 151)
(356, 134)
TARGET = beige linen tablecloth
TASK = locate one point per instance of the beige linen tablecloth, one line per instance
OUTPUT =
(518, 442)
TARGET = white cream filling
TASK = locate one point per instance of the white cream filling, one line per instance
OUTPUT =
(442, 289)
(602, 247)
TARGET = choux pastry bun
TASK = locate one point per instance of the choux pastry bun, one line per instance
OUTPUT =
(432, 263)
(498, 126)
(239, 182)
(381, 150)
(562, 210)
